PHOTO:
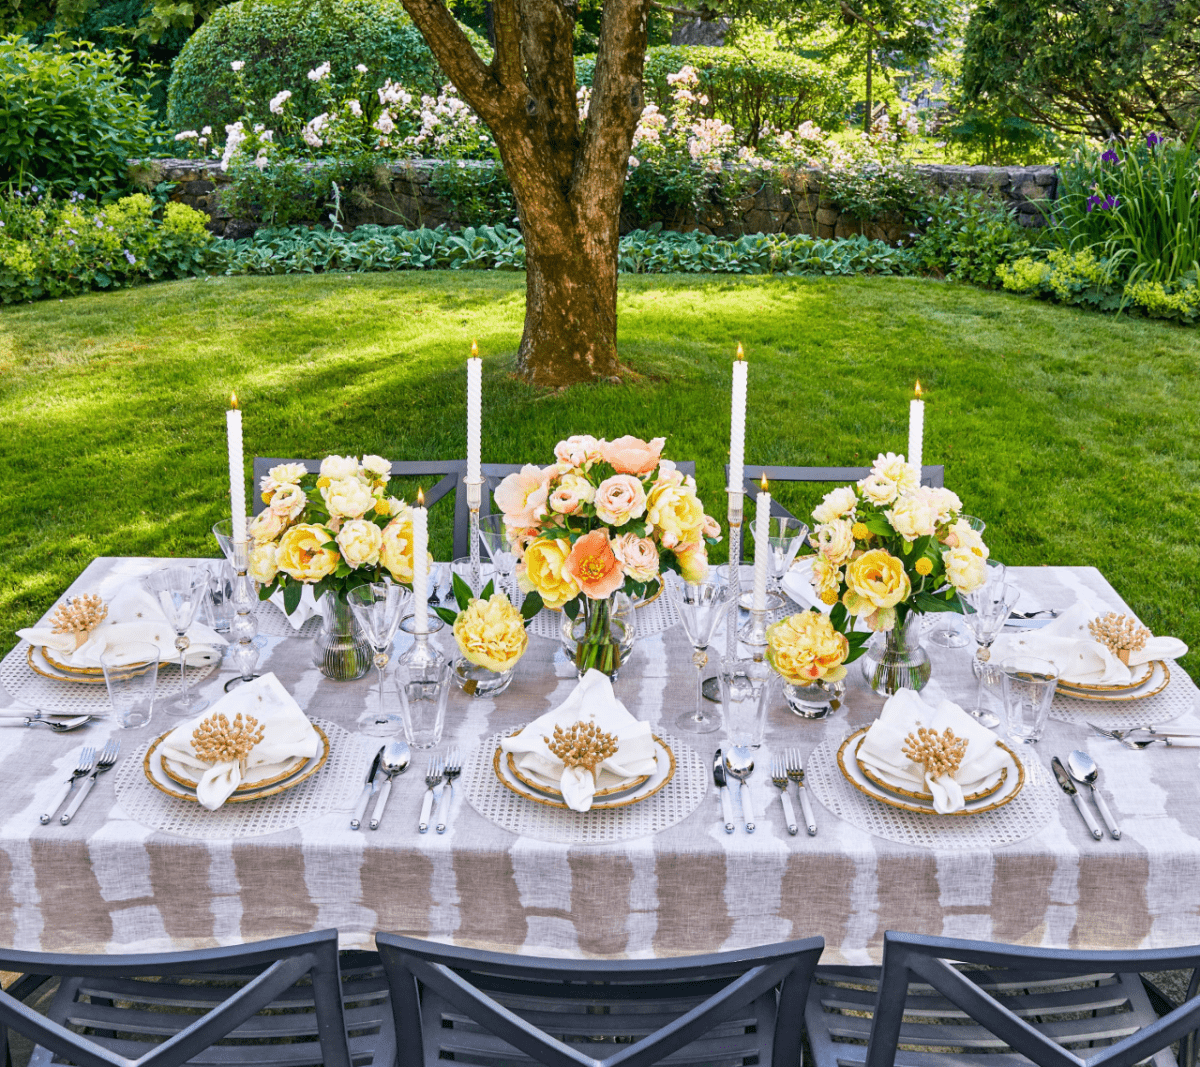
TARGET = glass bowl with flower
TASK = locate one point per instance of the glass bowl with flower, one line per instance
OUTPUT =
(809, 656)
(491, 637)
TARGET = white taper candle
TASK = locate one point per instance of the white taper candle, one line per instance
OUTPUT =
(737, 424)
(762, 547)
(421, 564)
(237, 470)
(474, 411)
(916, 432)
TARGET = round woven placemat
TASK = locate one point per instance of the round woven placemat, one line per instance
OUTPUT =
(1177, 699)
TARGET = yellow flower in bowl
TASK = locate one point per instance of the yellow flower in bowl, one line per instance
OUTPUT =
(805, 648)
(491, 633)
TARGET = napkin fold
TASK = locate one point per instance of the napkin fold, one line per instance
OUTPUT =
(1079, 657)
(286, 733)
(797, 583)
(904, 713)
(133, 615)
(305, 610)
(592, 700)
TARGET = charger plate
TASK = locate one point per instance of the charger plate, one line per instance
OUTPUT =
(847, 760)
(544, 785)
(158, 777)
(655, 782)
(913, 794)
(67, 668)
(1158, 680)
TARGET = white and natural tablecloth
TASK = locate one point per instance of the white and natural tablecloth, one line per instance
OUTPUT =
(107, 882)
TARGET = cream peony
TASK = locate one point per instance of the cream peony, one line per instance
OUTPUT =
(834, 540)
(377, 467)
(960, 535)
(638, 556)
(837, 502)
(302, 554)
(879, 490)
(490, 633)
(581, 450)
(348, 497)
(619, 499)
(573, 492)
(896, 470)
(267, 525)
(944, 502)
(805, 647)
(523, 496)
(912, 517)
(337, 467)
(965, 570)
(263, 567)
(826, 580)
(360, 541)
(396, 548)
(280, 475)
(288, 501)
(543, 571)
(675, 513)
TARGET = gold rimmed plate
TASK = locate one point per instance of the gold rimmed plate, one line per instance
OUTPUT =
(156, 774)
(50, 655)
(1158, 680)
(914, 794)
(270, 774)
(1014, 782)
(613, 786)
(40, 665)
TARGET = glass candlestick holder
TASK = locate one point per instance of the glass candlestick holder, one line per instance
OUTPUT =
(243, 627)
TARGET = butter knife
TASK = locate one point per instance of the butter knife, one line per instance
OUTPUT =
(368, 790)
(722, 790)
(1068, 786)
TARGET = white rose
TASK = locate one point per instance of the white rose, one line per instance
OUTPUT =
(237, 65)
(912, 517)
(837, 502)
(348, 497)
(360, 541)
(267, 525)
(337, 467)
(896, 469)
(288, 501)
(834, 540)
(878, 490)
(964, 569)
(263, 567)
(377, 466)
(944, 502)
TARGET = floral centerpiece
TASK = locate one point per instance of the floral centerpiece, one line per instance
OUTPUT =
(887, 550)
(809, 655)
(602, 522)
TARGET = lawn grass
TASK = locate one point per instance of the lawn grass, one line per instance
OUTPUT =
(1074, 435)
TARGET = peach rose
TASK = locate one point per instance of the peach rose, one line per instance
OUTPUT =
(572, 493)
(693, 561)
(267, 525)
(593, 566)
(619, 499)
(638, 555)
(632, 455)
(523, 496)
(582, 450)
(711, 528)
(302, 554)
(834, 540)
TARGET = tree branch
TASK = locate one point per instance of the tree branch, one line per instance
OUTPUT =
(456, 56)
(506, 62)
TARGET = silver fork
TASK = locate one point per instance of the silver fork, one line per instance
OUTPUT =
(87, 759)
(795, 770)
(780, 778)
(108, 756)
(453, 770)
(433, 778)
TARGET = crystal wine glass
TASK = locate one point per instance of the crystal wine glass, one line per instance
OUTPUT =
(494, 536)
(786, 536)
(701, 605)
(180, 591)
(378, 607)
(238, 558)
(945, 630)
(989, 607)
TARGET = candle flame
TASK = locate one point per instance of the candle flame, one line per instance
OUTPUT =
(233, 401)
(420, 498)
(764, 481)
(741, 354)
(474, 350)
(918, 388)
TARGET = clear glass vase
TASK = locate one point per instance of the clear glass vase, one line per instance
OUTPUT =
(477, 681)
(341, 650)
(895, 660)
(601, 636)
(816, 700)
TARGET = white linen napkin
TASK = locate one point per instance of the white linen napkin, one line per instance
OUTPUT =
(592, 700)
(1079, 657)
(797, 583)
(305, 610)
(133, 615)
(903, 714)
(286, 733)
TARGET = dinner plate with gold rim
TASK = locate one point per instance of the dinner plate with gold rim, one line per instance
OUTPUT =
(851, 769)
(157, 776)
(914, 794)
(39, 665)
(613, 786)
(1159, 679)
(268, 774)
(1143, 672)
(49, 655)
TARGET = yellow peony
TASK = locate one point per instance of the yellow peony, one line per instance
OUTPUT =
(692, 558)
(263, 567)
(826, 579)
(543, 571)
(877, 583)
(301, 553)
(491, 633)
(396, 548)
(805, 647)
(965, 570)
(675, 512)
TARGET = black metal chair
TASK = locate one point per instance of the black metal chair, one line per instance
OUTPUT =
(487, 1009)
(278, 1003)
(1009, 1005)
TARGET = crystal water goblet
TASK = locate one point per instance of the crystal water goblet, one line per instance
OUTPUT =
(786, 536)
(378, 607)
(989, 608)
(493, 535)
(701, 606)
(179, 591)
(945, 629)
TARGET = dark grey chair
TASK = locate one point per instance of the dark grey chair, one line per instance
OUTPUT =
(279, 1003)
(487, 1009)
(1008, 1005)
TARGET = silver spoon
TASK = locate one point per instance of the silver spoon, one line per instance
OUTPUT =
(395, 760)
(1083, 769)
(60, 727)
(740, 763)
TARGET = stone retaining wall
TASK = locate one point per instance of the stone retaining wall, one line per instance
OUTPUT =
(404, 197)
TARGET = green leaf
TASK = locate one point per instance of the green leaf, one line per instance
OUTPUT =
(265, 592)
(877, 524)
(446, 615)
(291, 596)
(488, 590)
(462, 592)
(838, 615)
(532, 604)
(571, 609)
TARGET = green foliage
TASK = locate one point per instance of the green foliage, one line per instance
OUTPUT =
(868, 189)
(986, 133)
(968, 236)
(58, 248)
(68, 118)
(280, 41)
(479, 193)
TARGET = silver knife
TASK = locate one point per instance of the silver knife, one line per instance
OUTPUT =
(722, 790)
(1068, 787)
(368, 791)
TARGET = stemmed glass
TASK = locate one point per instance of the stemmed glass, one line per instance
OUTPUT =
(990, 607)
(701, 605)
(946, 631)
(378, 607)
(493, 534)
(786, 536)
(179, 591)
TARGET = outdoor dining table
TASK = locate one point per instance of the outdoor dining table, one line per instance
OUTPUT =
(114, 880)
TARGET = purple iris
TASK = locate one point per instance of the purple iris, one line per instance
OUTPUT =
(1103, 203)
(1154, 138)
(1110, 156)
